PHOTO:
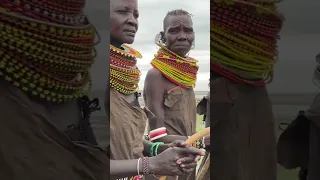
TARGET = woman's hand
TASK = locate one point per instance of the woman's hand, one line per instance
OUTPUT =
(175, 161)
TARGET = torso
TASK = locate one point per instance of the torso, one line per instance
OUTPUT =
(180, 110)
(127, 125)
(179, 107)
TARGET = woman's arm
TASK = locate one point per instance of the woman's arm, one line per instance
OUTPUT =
(154, 91)
(128, 168)
(172, 161)
(148, 144)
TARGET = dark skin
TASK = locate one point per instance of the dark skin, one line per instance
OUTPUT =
(178, 35)
(174, 159)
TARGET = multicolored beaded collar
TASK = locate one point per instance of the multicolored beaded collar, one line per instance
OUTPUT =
(179, 70)
(45, 57)
(244, 37)
(124, 74)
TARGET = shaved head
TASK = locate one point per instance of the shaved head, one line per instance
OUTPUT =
(176, 12)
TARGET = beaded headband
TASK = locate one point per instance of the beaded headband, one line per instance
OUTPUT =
(244, 39)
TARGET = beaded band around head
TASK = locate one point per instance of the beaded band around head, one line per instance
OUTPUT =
(179, 70)
(244, 37)
(124, 73)
(46, 48)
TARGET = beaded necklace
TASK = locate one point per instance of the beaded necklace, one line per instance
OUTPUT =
(124, 74)
(45, 58)
(179, 70)
(244, 37)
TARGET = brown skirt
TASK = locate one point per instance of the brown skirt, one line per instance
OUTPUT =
(33, 148)
(243, 136)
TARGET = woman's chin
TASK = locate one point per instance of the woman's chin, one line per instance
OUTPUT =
(128, 40)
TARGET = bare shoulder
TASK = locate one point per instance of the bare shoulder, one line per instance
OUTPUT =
(154, 75)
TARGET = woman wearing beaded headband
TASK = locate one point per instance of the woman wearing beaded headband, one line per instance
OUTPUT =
(244, 35)
(127, 119)
(168, 90)
(46, 53)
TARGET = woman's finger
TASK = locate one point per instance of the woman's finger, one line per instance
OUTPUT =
(188, 171)
(177, 143)
(186, 160)
(197, 158)
(188, 166)
(190, 150)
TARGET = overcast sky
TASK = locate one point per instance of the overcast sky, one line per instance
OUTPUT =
(299, 44)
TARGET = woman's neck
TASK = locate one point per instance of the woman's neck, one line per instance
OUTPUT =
(115, 43)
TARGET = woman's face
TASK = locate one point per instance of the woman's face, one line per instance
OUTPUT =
(179, 34)
(123, 20)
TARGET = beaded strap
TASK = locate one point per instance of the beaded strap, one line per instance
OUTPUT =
(181, 71)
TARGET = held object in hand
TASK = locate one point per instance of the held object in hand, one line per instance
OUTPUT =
(193, 139)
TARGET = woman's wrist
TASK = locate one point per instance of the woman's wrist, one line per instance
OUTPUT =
(162, 147)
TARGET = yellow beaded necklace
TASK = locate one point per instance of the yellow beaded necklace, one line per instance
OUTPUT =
(179, 70)
(46, 59)
(124, 74)
(244, 37)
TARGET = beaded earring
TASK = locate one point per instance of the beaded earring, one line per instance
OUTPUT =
(193, 45)
(159, 39)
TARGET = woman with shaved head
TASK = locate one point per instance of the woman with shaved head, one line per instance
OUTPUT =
(130, 155)
(168, 90)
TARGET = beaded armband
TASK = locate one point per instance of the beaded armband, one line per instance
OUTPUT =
(157, 133)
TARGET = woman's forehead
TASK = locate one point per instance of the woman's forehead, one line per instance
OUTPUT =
(127, 4)
(177, 20)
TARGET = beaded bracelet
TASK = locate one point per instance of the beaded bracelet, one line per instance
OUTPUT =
(145, 165)
(157, 133)
(156, 148)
